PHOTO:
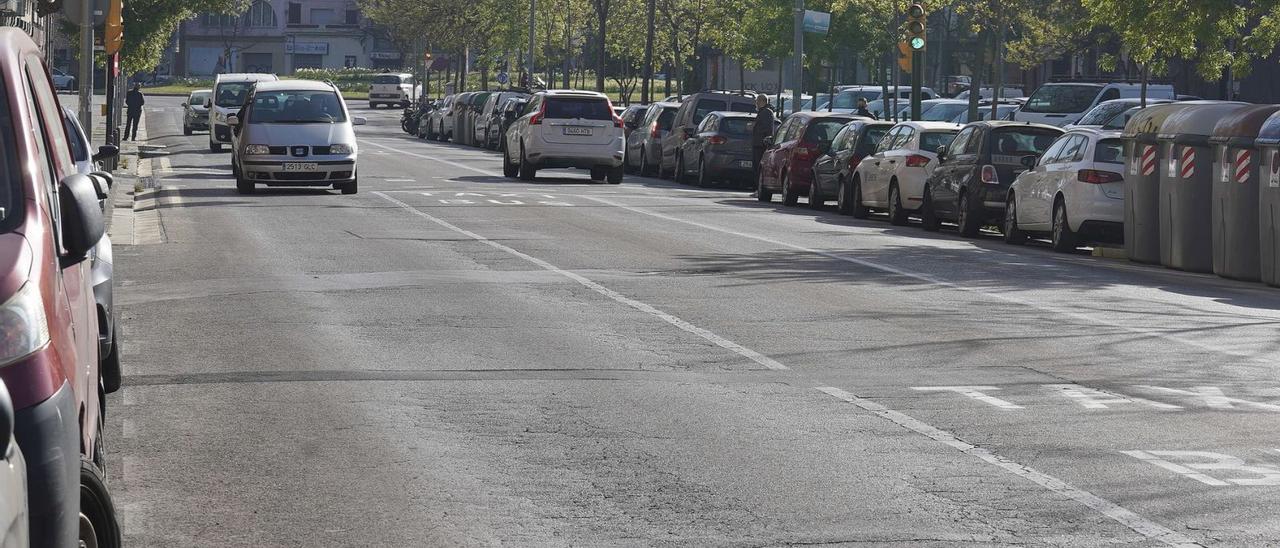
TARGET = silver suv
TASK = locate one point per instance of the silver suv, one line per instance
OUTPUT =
(294, 133)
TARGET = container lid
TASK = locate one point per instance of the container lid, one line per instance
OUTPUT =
(1269, 135)
(1241, 127)
(1195, 125)
(1146, 122)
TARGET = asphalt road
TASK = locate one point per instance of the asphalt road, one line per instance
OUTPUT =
(454, 358)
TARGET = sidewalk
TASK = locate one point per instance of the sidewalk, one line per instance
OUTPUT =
(129, 220)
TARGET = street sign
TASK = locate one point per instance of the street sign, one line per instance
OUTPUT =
(817, 22)
(503, 78)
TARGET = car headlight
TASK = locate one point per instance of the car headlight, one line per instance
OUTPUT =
(257, 149)
(340, 148)
(23, 328)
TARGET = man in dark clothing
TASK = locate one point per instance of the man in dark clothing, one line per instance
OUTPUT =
(862, 109)
(133, 103)
(762, 130)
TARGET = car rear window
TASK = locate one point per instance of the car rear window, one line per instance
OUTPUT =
(386, 79)
(849, 99)
(1062, 98)
(933, 140)
(736, 126)
(742, 107)
(943, 112)
(664, 120)
(824, 129)
(1104, 111)
(1022, 141)
(1110, 151)
(587, 108)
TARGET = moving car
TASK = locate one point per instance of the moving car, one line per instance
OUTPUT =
(1074, 192)
(195, 111)
(229, 94)
(565, 128)
(50, 349)
(719, 149)
(644, 146)
(1063, 103)
(692, 110)
(833, 171)
(787, 163)
(392, 90)
(892, 179)
(295, 133)
(972, 178)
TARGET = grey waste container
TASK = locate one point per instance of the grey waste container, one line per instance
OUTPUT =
(1142, 182)
(1236, 252)
(1269, 200)
(1186, 185)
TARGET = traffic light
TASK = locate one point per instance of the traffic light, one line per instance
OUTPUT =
(917, 23)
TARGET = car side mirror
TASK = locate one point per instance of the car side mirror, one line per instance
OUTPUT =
(7, 421)
(184, 104)
(687, 132)
(768, 142)
(233, 120)
(359, 120)
(105, 152)
(82, 222)
(1029, 161)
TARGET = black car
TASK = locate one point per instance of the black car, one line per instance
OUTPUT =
(719, 149)
(510, 110)
(423, 115)
(631, 117)
(974, 172)
(833, 170)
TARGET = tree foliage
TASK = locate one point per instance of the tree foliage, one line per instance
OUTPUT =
(149, 25)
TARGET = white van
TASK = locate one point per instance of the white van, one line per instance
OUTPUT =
(1059, 104)
(229, 93)
(392, 89)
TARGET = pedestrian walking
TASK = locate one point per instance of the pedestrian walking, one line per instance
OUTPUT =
(133, 103)
(862, 109)
(761, 131)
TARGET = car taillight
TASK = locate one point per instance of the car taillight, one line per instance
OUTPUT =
(653, 131)
(989, 175)
(717, 140)
(536, 119)
(1096, 177)
(917, 160)
(617, 122)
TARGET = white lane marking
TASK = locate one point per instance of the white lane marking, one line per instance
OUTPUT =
(1121, 515)
(1216, 461)
(401, 180)
(1093, 398)
(1212, 397)
(1202, 478)
(614, 295)
(973, 392)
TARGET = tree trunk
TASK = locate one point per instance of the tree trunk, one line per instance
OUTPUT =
(646, 92)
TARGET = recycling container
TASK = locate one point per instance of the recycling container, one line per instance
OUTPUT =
(1142, 182)
(1269, 200)
(1236, 250)
(1186, 185)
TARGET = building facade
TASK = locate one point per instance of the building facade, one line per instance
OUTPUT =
(282, 36)
(22, 14)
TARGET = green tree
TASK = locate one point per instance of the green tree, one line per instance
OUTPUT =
(150, 24)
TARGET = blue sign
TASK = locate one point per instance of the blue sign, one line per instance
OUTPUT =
(503, 78)
(817, 22)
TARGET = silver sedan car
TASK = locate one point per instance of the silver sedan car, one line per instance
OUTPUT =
(195, 115)
(294, 133)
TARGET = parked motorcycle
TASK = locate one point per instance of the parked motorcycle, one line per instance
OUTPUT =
(409, 119)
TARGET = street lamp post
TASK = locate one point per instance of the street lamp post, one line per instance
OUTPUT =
(799, 57)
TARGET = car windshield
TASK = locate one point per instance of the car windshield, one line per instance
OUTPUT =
(943, 112)
(587, 108)
(198, 98)
(824, 129)
(1109, 151)
(297, 107)
(849, 99)
(736, 126)
(1022, 141)
(1104, 111)
(232, 94)
(1062, 98)
(933, 140)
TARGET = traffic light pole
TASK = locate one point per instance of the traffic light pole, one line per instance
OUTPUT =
(799, 59)
(917, 76)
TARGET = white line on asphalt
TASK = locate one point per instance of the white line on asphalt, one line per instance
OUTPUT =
(1121, 515)
(401, 180)
(588, 283)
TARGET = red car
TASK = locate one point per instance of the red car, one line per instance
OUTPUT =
(49, 221)
(787, 164)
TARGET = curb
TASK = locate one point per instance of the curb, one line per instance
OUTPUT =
(1110, 253)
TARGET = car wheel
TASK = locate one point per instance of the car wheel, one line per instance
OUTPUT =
(215, 147)
(897, 215)
(245, 186)
(1012, 234)
(351, 188)
(704, 179)
(615, 175)
(99, 526)
(762, 194)
(789, 196)
(186, 129)
(969, 223)
(815, 202)
(110, 366)
(681, 174)
(857, 208)
(842, 197)
(509, 169)
(928, 217)
(1064, 240)
(526, 169)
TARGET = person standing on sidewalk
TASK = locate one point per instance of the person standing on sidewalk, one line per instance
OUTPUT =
(133, 103)
(762, 130)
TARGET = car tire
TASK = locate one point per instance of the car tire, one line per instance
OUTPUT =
(352, 187)
(215, 147)
(245, 186)
(897, 215)
(645, 169)
(856, 207)
(928, 217)
(704, 181)
(99, 525)
(969, 223)
(762, 194)
(186, 130)
(679, 172)
(615, 175)
(1064, 240)
(843, 205)
(526, 170)
(789, 196)
(1012, 234)
(110, 367)
(509, 169)
(815, 202)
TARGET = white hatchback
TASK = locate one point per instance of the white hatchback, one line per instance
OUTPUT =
(892, 179)
(566, 128)
(1074, 192)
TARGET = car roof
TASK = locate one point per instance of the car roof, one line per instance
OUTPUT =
(1011, 123)
(1096, 131)
(930, 126)
(573, 93)
(295, 85)
(824, 114)
(246, 77)
(734, 114)
(195, 91)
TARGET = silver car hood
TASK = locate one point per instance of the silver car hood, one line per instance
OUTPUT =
(299, 134)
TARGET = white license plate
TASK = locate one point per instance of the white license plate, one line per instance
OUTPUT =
(301, 166)
(577, 131)
(744, 163)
